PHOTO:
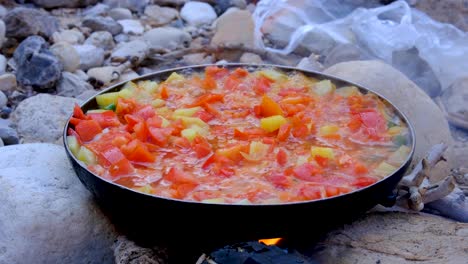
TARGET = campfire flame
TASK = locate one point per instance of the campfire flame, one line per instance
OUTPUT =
(270, 241)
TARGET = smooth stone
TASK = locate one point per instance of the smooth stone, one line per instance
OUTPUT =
(7, 82)
(36, 65)
(135, 51)
(101, 39)
(3, 100)
(42, 117)
(134, 5)
(67, 55)
(222, 5)
(2, 33)
(103, 75)
(120, 13)
(1, 143)
(23, 22)
(3, 11)
(102, 24)
(90, 56)
(48, 216)
(3, 64)
(396, 238)
(63, 3)
(310, 64)
(97, 10)
(71, 85)
(131, 26)
(159, 16)
(455, 97)
(70, 36)
(410, 99)
(197, 59)
(248, 57)
(342, 53)
(128, 75)
(8, 135)
(198, 13)
(166, 38)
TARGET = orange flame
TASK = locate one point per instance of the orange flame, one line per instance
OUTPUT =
(270, 241)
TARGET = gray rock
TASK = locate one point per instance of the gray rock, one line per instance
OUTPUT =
(3, 100)
(121, 38)
(102, 24)
(131, 26)
(90, 56)
(97, 10)
(2, 33)
(158, 16)
(248, 57)
(410, 99)
(342, 53)
(135, 51)
(3, 11)
(310, 64)
(128, 75)
(198, 13)
(1, 143)
(3, 64)
(120, 13)
(134, 5)
(71, 85)
(166, 38)
(8, 135)
(62, 3)
(23, 22)
(455, 98)
(36, 65)
(101, 39)
(41, 118)
(222, 5)
(47, 214)
(67, 55)
(86, 95)
(71, 36)
(83, 76)
(396, 238)
(7, 82)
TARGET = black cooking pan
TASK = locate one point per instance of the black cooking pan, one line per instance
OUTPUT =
(176, 220)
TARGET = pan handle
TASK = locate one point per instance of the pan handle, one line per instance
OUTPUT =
(389, 200)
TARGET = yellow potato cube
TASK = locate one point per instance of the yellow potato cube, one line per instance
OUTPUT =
(324, 87)
(175, 77)
(384, 169)
(87, 156)
(149, 86)
(106, 99)
(158, 103)
(187, 111)
(273, 75)
(348, 91)
(322, 152)
(328, 130)
(272, 123)
(73, 145)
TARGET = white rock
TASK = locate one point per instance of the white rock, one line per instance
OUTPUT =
(310, 64)
(41, 118)
(131, 26)
(158, 16)
(234, 27)
(67, 54)
(90, 56)
(101, 39)
(197, 58)
(428, 121)
(70, 36)
(3, 64)
(2, 33)
(135, 50)
(128, 75)
(248, 57)
(71, 85)
(120, 13)
(7, 82)
(104, 75)
(198, 13)
(83, 76)
(47, 214)
(3, 100)
(166, 38)
(3, 11)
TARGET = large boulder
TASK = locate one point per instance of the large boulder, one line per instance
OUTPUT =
(429, 123)
(42, 118)
(47, 214)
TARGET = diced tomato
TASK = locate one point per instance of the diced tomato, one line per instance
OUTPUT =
(355, 123)
(179, 176)
(210, 160)
(124, 106)
(322, 161)
(154, 121)
(268, 107)
(262, 85)
(88, 129)
(207, 99)
(204, 115)
(257, 110)
(136, 151)
(105, 119)
(306, 172)
(291, 91)
(374, 122)
(177, 126)
(201, 147)
(145, 112)
(160, 136)
(206, 194)
(360, 168)
(78, 113)
(131, 121)
(239, 73)
(364, 181)
(74, 121)
(181, 142)
(268, 140)
(216, 72)
(227, 172)
(331, 191)
(72, 132)
(310, 192)
(164, 92)
(279, 180)
(184, 189)
(282, 157)
(119, 141)
(300, 131)
(141, 131)
(212, 110)
(122, 167)
(283, 132)
(231, 83)
(209, 83)
(332, 136)
(109, 155)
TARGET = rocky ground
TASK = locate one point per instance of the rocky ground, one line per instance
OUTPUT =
(55, 53)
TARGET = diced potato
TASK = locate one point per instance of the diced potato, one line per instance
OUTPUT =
(301, 160)
(149, 86)
(189, 133)
(243, 201)
(272, 123)
(175, 77)
(324, 87)
(144, 189)
(130, 86)
(257, 151)
(163, 111)
(384, 169)
(73, 145)
(213, 200)
(188, 121)
(86, 155)
(399, 156)
(165, 122)
(347, 91)
(395, 130)
(187, 111)
(322, 152)
(96, 111)
(158, 103)
(328, 130)
(106, 99)
(126, 93)
(273, 75)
